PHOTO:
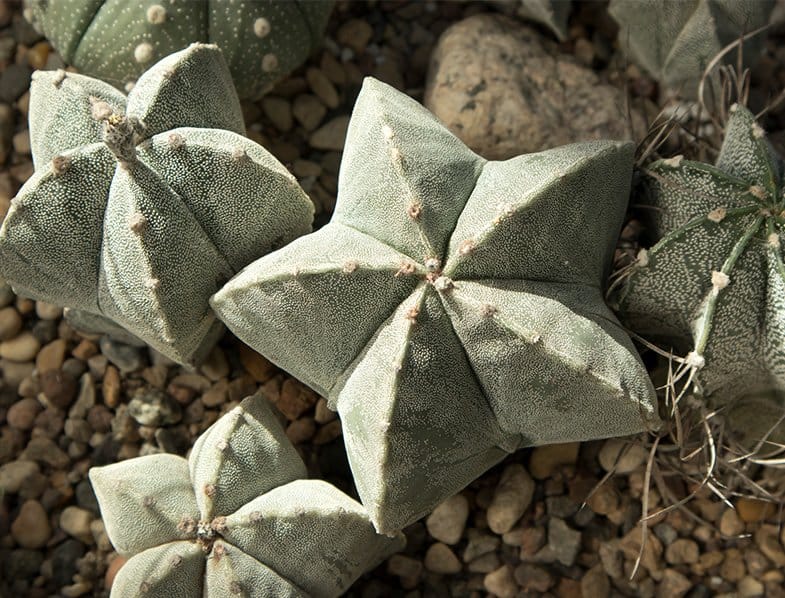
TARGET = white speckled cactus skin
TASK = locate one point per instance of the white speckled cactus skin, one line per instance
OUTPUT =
(674, 40)
(714, 283)
(140, 209)
(234, 519)
(452, 310)
(116, 40)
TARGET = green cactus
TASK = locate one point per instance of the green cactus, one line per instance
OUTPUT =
(116, 40)
(713, 286)
(139, 210)
(236, 518)
(553, 14)
(675, 40)
(452, 310)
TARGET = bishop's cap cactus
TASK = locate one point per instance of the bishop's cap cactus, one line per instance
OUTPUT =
(141, 208)
(116, 41)
(236, 518)
(483, 325)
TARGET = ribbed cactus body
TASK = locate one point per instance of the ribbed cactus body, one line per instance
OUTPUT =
(141, 208)
(675, 40)
(452, 310)
(117, 40)
(713, 286)
(234, 519)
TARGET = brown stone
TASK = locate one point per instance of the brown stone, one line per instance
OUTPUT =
(111, 386)
(257, 366)
(31, 527)
(505, 91)
(546, 460)
(59, 387)
(295, 399)
(21, 415)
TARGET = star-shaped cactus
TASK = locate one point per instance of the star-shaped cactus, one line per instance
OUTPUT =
(452, 310)
(141, 208)
(713, 286)
(235, 518)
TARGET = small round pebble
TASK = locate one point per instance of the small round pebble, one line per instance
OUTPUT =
(447, 521)
(31, 527)
(20, 348)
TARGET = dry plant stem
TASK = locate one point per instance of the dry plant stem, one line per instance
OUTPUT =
(645, 504)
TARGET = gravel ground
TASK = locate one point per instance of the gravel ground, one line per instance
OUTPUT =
(530, 527)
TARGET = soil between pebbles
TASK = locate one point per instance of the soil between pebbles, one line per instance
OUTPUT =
(70, 401)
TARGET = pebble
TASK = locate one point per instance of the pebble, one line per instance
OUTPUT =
(301, 430)
(21, 348)
(31, 527)
(308, 111)
(44, 450)
(749, 587)
(85, 399)
(215, 367)
(330, 136)
(752, 510)
(512, 497)
(682, 551)
(100, 537)
(14, 474)
(59, 387)
(478, 545)
(322, 87)
(630, 544)
(533, 578)
(295, 399)
(257, 366)
(51, 356)
(405, 567)
(14, 81)
(564, 543)
(216, 395)
(21, 415)
(76, 522)
(111, 571)
(279, 111)
(439, 558)
(48, 311)
(622, 456)
(322, 413)
(328, 432)
(546, 460)
(505, 91)
(125, 357)
(673, 584)
(595, 583)
(10, 323)
(484, 564)
(21, 142)
(153, 407)
(733, 567)
(766, 538)
(110, 387)
(501, 582)
(354, 34)
(730, 523)
(448, 520)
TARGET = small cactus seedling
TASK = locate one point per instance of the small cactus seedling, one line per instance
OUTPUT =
(452, 310)
(140, 209)
(713, 286)
(675, 40)
(116, 41)
(236, 518)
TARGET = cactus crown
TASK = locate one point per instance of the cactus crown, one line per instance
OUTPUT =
(132, 213)
(479, 285)
(713, 285)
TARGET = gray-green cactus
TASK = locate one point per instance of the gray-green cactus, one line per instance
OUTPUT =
(140, 209)
(452, 310)
(553, 14)
(116, 40)
(675, 40)
(236, 518)
(713, 286)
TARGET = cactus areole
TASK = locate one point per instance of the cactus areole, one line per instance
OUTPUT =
(452, 310)
(235, 519)
(713, 285)
(141, 208)
(117, 40)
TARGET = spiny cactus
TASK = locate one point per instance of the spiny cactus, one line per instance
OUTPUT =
(234, 519)
(452, 310)
(713, 286)
(140, 209)
(116, 41)
(553, 14)
(675, 40)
